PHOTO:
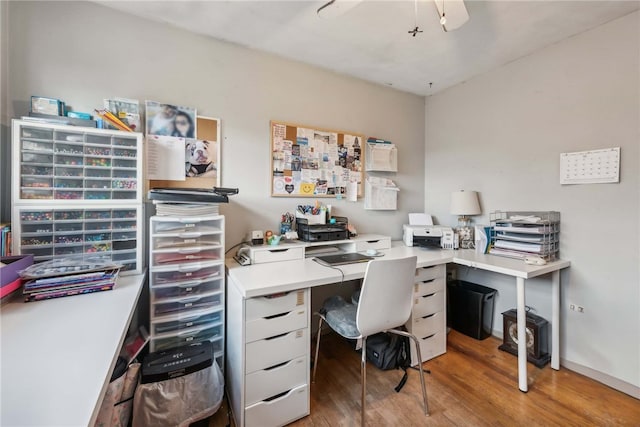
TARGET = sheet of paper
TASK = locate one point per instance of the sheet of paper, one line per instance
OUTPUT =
(420, 219)
(352, 192)
(165, 158)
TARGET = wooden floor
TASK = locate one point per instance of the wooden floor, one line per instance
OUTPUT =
(473, 384)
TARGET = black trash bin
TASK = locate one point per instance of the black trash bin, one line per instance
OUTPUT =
(470, 308)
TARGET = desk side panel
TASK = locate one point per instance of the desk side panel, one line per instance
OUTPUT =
(235, 350)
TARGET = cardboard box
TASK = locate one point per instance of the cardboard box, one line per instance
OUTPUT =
(9, 278)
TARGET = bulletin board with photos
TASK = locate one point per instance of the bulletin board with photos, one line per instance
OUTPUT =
(307, 161)
(183, 149)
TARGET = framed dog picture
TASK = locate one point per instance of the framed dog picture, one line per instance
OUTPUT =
(201, 162)
(201, 159)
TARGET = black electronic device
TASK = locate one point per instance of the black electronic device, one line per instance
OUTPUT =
(336, 229)
(342, 259)
(537, 331)
(176, 362)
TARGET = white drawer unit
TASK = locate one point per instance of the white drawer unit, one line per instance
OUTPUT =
(77, 191)
(186, 282)
(267, 253)
(280, 409)
(269, 344)
(428, 316)
(114, 233)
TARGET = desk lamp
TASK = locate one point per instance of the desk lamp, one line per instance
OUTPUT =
(464, 204)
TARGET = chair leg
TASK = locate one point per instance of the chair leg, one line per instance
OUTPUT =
(419, 355)
(315, 359)
(424, 388)
(363, 377)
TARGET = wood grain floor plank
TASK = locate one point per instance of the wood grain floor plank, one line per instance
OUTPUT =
(473, 384)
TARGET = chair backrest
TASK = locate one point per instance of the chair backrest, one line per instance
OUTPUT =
(386, 296)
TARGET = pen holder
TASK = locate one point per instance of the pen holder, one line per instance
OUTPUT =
(284, 227)
(321, 218)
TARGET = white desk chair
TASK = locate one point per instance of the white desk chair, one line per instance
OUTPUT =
(385, 303)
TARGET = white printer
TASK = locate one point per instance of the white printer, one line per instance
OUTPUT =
(429, 236)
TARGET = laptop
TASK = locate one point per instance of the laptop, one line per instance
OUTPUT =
(341, 259)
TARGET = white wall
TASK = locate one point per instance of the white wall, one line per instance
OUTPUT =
(82, 53)
(502, 133)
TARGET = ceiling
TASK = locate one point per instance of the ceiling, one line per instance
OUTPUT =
(371, 41)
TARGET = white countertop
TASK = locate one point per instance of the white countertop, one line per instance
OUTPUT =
(57, 356)
(274, 277)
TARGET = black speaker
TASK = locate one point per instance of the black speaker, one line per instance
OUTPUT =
(537, 331)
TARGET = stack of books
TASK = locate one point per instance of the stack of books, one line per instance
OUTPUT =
(67, 277)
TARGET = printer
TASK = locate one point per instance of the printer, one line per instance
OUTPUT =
(429, 236)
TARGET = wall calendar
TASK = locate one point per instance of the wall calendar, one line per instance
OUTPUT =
(590, 167)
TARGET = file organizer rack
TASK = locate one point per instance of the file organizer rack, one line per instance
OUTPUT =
(525, 233)
(187, 282)
(77, 191)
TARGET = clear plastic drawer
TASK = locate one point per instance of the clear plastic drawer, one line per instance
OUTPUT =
(185, 320)
(159, 344)
(185, 273)
(186, 255)
(186, 288)
(185, 304)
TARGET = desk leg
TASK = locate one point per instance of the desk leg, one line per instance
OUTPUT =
(555, 320)
(522, 336)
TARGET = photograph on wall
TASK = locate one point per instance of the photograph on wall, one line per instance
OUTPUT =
(127, 110)
(170, 120)
(201, 158)
(312, 162)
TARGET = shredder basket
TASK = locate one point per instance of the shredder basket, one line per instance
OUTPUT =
(179, 401)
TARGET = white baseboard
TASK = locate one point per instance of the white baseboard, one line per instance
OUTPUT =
(615, 383)
(608, 380)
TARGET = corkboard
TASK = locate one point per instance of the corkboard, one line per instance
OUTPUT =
(208, 129)
(307, 161)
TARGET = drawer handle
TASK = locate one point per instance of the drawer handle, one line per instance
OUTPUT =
(275, 316)
(190, 333)
(189, 299)
(275, 366)
(269, 399)
(430, 336)
(428, 295)
(191, 235)
(428, 281)
(189, 268)
(373, 241)
(188, 250)
(189, 221)
(278, 250)
(276, 336)
(278, 295)
(425, 268)
(428, 316)
(189, 318)
(190, 284)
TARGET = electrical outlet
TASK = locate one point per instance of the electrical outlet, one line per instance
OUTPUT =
(577, 308)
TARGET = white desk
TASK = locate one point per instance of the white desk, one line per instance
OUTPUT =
(57, 355)
(270, 278)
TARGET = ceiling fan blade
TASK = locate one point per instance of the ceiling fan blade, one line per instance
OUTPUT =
(335, 8)
(454, 11)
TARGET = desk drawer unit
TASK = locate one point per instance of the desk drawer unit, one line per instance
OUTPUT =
(276, 358)
(262, 254)
(186, 282)
(428, 316)
(280, 409)
(382, 243)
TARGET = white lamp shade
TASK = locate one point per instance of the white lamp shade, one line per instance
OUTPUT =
(465, 203)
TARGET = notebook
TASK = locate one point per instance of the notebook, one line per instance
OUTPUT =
(341, 259)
